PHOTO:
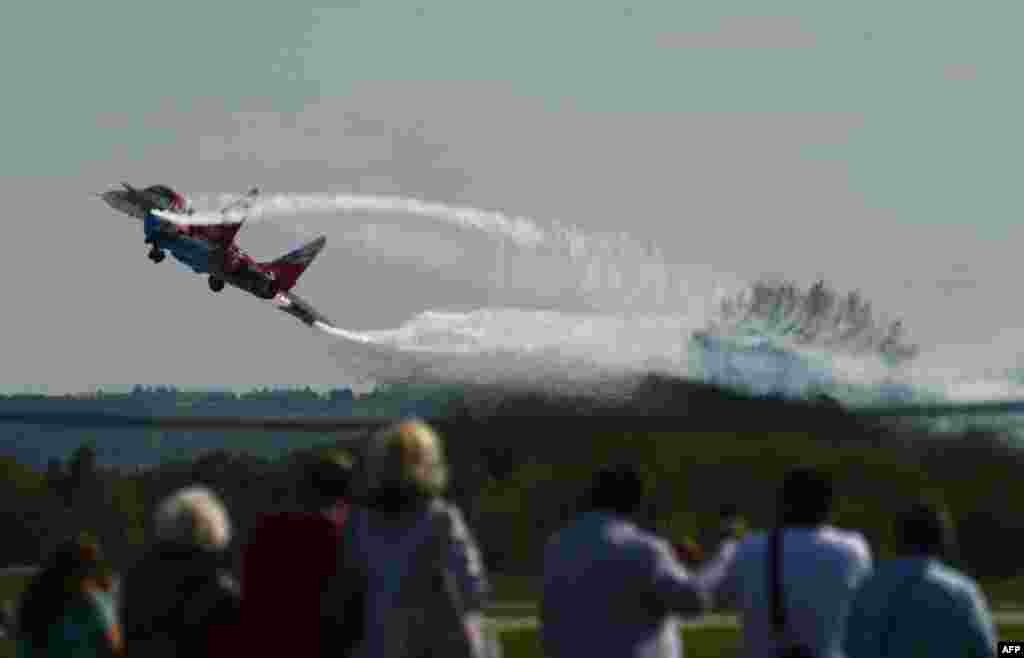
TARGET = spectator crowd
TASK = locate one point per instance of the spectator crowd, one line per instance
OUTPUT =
(375, 562)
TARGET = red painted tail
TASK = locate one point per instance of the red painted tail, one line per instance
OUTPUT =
(288, 268)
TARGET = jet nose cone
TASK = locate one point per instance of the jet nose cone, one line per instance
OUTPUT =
(112, 199)
(120, 201)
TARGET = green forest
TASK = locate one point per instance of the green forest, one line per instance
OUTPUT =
(520, 463)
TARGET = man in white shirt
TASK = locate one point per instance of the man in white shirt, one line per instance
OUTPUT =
(820, 566)
(611, 588)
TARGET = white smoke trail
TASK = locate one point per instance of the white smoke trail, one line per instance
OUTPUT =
(612, 271)
(515, 347)
(550, 349)
(603, 355)
(596, 353)
(531, 347)
(521, 230)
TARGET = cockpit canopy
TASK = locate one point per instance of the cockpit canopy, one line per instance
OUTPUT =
(166, 198)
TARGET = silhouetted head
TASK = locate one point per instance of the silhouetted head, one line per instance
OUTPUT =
(925, 529)
(326, 478)
(805, 498)
(404, 462)
(80, 558)
(731, 525)
(618, 489)
(76, 565)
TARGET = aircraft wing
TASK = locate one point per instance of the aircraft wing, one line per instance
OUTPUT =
(240, 205)
(297, 307)
(223, 234)
(212, 228)
(233, 215)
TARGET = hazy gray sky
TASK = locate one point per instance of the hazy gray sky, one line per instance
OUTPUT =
(875, 143)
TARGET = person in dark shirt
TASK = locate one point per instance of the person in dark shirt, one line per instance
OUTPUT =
(292, 603)
(67, 609)
(180, 600)
(915, 604)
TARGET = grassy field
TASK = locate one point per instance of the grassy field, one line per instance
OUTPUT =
(11, 586)
(1006, 595)
(697, 643)
(525, 642)
(1003, 595)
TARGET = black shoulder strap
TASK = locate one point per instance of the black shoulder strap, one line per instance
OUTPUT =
(778, 607)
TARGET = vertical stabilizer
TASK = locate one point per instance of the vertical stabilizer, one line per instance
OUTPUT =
(288, 268)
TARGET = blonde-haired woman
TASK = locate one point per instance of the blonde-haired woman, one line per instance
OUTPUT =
(179, 600)
(426, 586)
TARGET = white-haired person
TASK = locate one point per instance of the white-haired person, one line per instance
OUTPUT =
(179, 600)
(425, 583)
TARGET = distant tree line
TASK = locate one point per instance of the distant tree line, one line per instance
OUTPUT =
(33, 444)
(520, 464)
(391, 399)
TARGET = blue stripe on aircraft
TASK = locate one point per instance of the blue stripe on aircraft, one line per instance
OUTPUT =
(193, 253)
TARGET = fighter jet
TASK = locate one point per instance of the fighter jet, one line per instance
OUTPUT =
(206, 244)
